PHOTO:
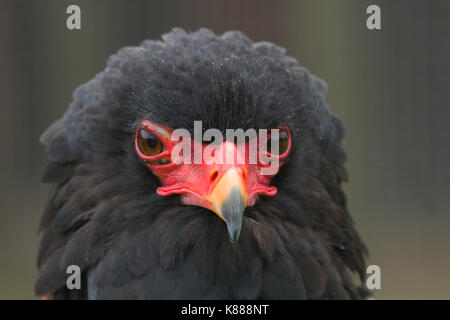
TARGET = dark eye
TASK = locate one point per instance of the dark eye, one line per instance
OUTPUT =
(148, 144)
(283, 143)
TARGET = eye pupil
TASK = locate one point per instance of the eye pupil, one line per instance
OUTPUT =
(152, 143)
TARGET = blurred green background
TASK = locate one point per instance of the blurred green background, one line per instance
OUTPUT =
(391, 88)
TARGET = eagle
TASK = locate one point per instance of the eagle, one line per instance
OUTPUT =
(139, 225)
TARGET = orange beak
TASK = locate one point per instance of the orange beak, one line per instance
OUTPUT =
(228, 199)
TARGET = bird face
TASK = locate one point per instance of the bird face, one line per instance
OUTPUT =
(224, 184)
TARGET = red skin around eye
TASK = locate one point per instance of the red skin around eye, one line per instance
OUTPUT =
(196, 181)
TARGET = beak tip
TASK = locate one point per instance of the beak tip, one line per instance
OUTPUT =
(234, 234)
(233, 210)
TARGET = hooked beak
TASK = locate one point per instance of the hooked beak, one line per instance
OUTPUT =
(228, 199)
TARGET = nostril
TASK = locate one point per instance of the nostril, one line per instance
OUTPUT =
(213, 175)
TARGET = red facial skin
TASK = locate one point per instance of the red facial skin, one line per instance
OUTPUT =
(196, 182)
